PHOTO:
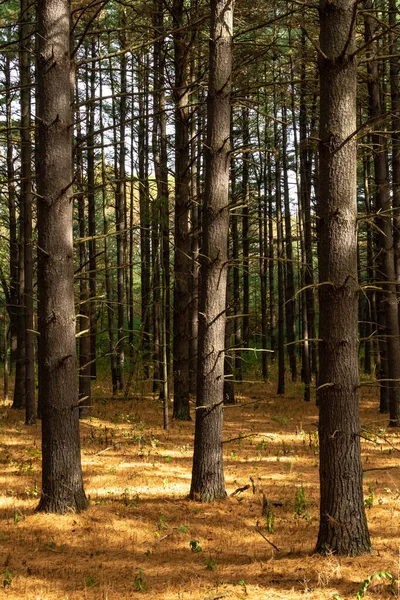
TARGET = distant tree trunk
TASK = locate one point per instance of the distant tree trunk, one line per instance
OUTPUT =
(19, 399)
(279, 236)
(386, 264)
(245, 227)
(11, 291)
(107, 274)
(144, 207)
(26, 198)
(305, 215)
(120, 211)
(262, 227)
(62, 484)
(271, 253)
(91, 93)
(395, 106)
(194, 238)
(289, 287)
(343, 526)
(182, 208)
(208, 473)
(84, 318)
(237, 329)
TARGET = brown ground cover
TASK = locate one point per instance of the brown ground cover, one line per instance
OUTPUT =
(142, 537)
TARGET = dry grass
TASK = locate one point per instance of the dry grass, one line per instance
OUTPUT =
(137, 531)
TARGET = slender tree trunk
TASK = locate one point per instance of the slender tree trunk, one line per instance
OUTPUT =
(208, 474)
(62, 483)
(245, 226)
(144, 207)
(182, 270)
(107, 274)
(26, 197)
(91, 93)
(289, 287)
(386, 264)
(12, 289)
(237, 329)
(343, 525)
(84, 310)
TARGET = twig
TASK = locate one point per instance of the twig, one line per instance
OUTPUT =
(267, 540)
(105, 450)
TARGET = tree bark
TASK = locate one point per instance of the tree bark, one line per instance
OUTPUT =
(343, 526)
(62, 483)
(208, 473)
(181, 312)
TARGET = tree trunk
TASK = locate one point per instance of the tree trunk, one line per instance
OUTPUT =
(26, 198)
(343, 526)
(386, 264)
(62, 484)
(181, 312)
(208, 473)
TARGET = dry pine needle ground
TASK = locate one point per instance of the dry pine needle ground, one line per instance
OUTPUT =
(142, 537)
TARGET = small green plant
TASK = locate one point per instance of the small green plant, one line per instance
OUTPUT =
(379, 575)
(243, 584)
(7, 578)
(269, 520)
(183, 528)
(162, 523)
(300, 505)
(195, 546)
(91, 581)
(139, 583)
(211, 564)
(369, 500)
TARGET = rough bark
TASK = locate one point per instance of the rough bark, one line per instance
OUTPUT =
(62, 484)
(343, 526)
(208, 473)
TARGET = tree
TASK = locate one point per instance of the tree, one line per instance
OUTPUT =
(208, 474)
(62, 484)
(343, 526)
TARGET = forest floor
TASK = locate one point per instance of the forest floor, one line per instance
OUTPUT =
(141, 536)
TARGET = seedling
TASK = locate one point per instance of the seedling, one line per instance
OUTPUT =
(269, 520)
(300, 504)
(195, 546)
(211, 564)
(91, 581)
(7, 578)
(139, 583)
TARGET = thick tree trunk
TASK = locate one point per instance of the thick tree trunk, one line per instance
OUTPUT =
(208, 473)
(343, 526)
(62, 484)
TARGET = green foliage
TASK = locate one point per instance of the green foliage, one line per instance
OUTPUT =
(91, 581)
(300, 504)
(211, 564)
(369, 500)
(7, 578)
(269, 520)
(379, 575)
(139, 582)
(195, 546)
